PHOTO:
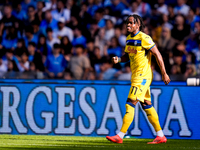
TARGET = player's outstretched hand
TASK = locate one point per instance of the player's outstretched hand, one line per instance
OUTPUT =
(166, 79)
(114, 60)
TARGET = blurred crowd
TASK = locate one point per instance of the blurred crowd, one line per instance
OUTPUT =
(75, 39)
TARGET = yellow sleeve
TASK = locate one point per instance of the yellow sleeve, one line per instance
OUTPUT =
(147, 42)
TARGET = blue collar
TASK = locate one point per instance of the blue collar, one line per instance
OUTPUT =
(135, 34)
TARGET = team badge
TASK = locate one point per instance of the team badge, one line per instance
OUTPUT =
(150, 42)
(135, 43)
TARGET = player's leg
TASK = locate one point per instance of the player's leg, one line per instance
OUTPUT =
(128, 117)
(153, 119)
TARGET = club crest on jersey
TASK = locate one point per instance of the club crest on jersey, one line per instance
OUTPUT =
(150, 42)
(132, 50)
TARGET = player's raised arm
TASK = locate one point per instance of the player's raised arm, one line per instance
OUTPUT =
(160, 62)
(117, 59)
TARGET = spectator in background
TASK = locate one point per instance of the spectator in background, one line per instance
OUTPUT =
(162, 7)
(62, 30)
(165, 46)
(1, 16)
(181, 8)
(196, 51)
(31, 16)
(180, 30)
(117, 6)
(197, 29)
(98, 20)
(10, 40)
(3, 67)
(91, 7)
(7, 21)
(107, 70)
(84, 15)
(190, 71)
(91, 75)
(43, 47)
(171, 15)
(10, 56)
(93, 30)
(74, 9)
(24, 63)
(29, 37)
(61, 11)
(20, 48)
(74, 21)
(55, 63)
(133, 9)
(98, 17)
(66, 48)
(18, 12)
(50, 5)
(113, 48)
(191, 42)
(96, 61)
(32, 67)
(36, 28)
(100, 41)
(26, 3)
(144, 9)
(50, 39)
(125, 73)
(121, 37)
(192, 18)
(165, 21)
(90, 48)
(40, 13)
(79, 38)
(12, 67)
(68, 75)
(175, 73)
(190, 59)
(110, 31)
(166, 42)
(156, 75)
(48, 22)
(35, 57)
(178, 60)
(79, 64)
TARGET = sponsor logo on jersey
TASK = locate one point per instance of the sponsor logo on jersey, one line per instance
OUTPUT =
(132, 50)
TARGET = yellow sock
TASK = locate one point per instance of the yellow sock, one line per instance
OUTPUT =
(128, 117)
(152, 117)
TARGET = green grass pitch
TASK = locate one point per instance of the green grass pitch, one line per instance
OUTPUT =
(88, 143)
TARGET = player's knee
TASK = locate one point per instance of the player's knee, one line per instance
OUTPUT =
(147, 102)
(134, 102)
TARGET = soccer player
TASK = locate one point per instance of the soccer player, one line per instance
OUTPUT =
(139, 48)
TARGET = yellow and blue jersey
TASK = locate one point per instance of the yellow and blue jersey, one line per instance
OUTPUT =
(138, 47)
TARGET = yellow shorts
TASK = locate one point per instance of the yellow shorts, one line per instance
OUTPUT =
(140, 90)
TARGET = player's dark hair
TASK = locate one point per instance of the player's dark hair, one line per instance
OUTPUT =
(138, 20)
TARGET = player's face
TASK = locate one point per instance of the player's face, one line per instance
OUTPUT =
(131, 26)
